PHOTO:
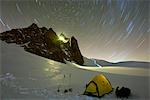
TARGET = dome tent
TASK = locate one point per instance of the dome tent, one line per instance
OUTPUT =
(98, 86)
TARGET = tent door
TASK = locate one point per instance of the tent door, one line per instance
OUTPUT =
(92, 89)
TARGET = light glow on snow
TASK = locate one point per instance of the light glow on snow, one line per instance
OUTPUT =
(118, 70)
(50, 62)
(46, 69)
(52, 67)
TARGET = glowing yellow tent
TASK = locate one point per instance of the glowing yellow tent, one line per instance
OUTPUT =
(98, 86)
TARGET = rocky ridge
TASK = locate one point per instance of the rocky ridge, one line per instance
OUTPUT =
(44, 42)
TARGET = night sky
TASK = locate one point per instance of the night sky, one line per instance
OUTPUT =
(113, 30)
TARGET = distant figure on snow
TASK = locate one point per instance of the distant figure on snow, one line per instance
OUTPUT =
(65, 91)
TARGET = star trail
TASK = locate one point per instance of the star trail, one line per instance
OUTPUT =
(113, 30)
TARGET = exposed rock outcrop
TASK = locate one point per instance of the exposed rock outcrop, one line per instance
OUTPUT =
(44, 42)
(75, 52)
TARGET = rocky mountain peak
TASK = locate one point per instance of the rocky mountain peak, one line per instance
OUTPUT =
(44, 42)
(33, 26)
(75, 52)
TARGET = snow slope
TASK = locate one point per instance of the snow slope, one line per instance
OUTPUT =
(119, 70)
(25, 76)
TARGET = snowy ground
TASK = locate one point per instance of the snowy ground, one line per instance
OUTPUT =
(25, 76)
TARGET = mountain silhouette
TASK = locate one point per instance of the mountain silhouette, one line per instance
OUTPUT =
(44, 42)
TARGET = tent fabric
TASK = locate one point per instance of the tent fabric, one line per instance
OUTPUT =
(98, 86)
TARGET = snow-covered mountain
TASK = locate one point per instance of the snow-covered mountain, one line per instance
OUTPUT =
(25, 76)
(101, 63)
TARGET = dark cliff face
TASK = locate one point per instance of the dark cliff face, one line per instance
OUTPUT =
(75, 52)
(44, 42)
(51, 38)
(53, 46)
